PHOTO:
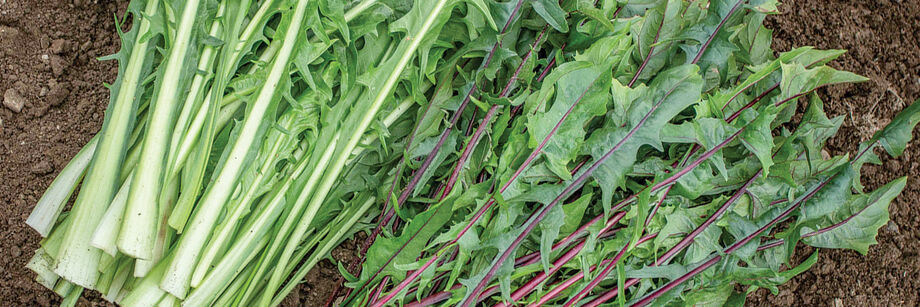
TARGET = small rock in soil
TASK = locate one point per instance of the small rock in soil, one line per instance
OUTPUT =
(42, 168)
(892, 227)
(58, 92)
(44, 41)
(13, 100)
(21, 87)
(58, 65)
(8, 32)
(59, 46)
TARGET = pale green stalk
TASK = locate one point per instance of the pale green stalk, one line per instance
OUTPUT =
(108, 273)
(138, 240)
(105, 235)
(169, 301)
(43, 265)
(145, 291)
(185, 141)
(49, 207)
(78, 260)
(179, 272)
(164, 233)
(189, 138)
(105, 263)
(122, 275)
(240, 205)
(321, 252)
(70, 299)
(230, 296)
(387, 122)
(193, 174)
(231, 263)
(358, 9)
(43, 262)
(196, 90)
(134, 153)
(330, 178)
(258, 280)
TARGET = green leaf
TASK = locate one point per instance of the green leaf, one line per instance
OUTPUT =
(709, 297)
(670, 92)
(387, 252)
(757, 136)
(659, 30)
(860, 217)
(552, 13)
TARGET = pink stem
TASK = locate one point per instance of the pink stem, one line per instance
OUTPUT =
(719, 27)
(488, 118)
(532, 223)
(581, 274)
(670, 285)
(610, 266)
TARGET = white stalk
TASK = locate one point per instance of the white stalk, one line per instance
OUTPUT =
(196, 90)
(49, 207)
(141, 210)
(105, 235)
(357, 132)
(179, 272)
(232, 263)
(78, 260)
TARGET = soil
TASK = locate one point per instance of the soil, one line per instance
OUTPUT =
(48, 68)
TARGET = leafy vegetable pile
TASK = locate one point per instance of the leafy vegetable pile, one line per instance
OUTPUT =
(535, 152)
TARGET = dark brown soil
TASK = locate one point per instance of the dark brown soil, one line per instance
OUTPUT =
(47, 57)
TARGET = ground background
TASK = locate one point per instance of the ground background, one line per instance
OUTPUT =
(47, 58)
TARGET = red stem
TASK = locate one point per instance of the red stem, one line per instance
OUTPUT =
(532, 223)
(716, 31)
(670, 285)
(453, 122)
(411, 278)
(550, 65)
(468, 150)
(649, 55)
(581, 230)
(610, 266)
(580, 275)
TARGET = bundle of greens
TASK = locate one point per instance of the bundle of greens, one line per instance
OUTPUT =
(626, 147)
(243, 141)
(495, 152)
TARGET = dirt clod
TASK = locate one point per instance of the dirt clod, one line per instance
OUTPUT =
(13, 100)
(42, 168)
(58, 46)
(58, 65)
(8, 32)
(57, 93)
